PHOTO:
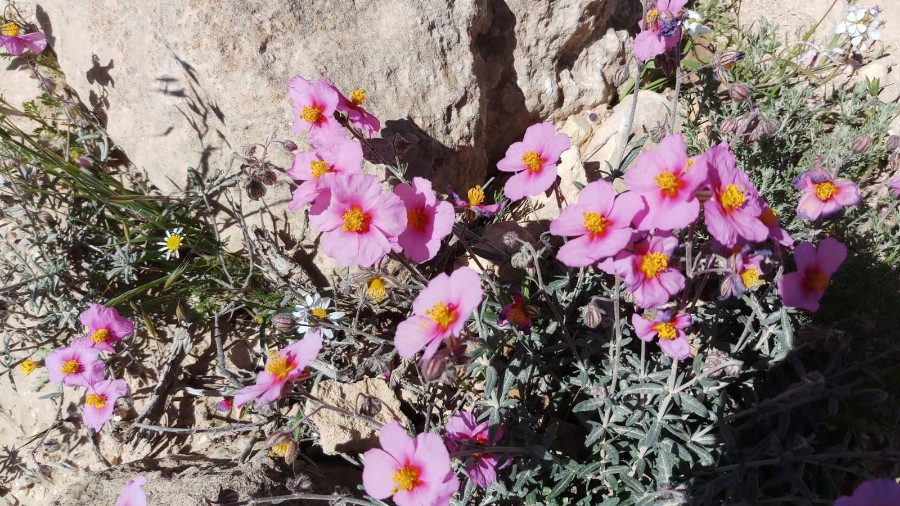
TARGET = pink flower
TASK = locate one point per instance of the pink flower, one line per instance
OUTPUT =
(647, 273)
(416, 472)
(805, 287)
(342, 156)
(282, 367)
(358, 116)
(225, 405)
(534, 161)
(732, 212)
(475, 202)
(660, 30)
(515, 313)
(439, 311)
(746, 270)
(464, 432)
(667, 180)
(824, 196)
(15, 41)
(132, 495)
(600, 223)
(105, 326)
(76, 365)
(880, 492)
(895, 185)
(428, 220)
(361, 223)
(100, 401)
(669, 330)
(770, 219)
(313, 105)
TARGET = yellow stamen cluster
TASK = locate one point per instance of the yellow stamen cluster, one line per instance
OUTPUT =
(318, 168)
(319, 312)
(71, 367)
(666, 330)
(279, 366)
(406, 478)
(688, 164)
(95, 400)
(416, 219)
(312, 115)
(443, 315)
(667, 182)
(28, 366)
(173, 242)
(595, 223)
(750, 277)
(532, 161)
(376, 289)
(100, 336)
(355, 220)
(732, 198)
(768, 217)
(10, 29)
(652, 264)
(279, 450)
(825, 190)
(476, 195)
(358, 97)
(652, 16)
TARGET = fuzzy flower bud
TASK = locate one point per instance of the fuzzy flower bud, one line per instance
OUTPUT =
(289, 145)
(739, 92)
(284, 322)
(435, 366)
(729, 126)
(714, 360)
(894, 160)
(860, 144)
(255, 189)
(623, 72)
(511, 240)
(592, 313)
(892, 143)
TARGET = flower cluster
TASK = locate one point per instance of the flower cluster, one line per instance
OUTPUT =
(79, 364)
(862, 26)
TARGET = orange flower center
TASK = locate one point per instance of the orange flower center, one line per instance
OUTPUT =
(312, 115)
(666, 330)
(476, 195)
(667, 182)
(355, 220)
(71, 367)
(406, 478)
(532, 161)
(595, 223)
(654, 263)
(516, 315)
(732, 198)
(768, 217)
(279, 366)
(358, 97)
(443, 315)
(750, 277)
(96, 400)
(416, 219)
(10, 30)
(825, 190)
(319, 167)
(815, 280)
(100, 336)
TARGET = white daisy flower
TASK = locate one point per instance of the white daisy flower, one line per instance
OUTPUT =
(691, 22)
(171, 243)
(316, 307)
(862, 25)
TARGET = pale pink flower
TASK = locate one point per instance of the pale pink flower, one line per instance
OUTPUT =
(534, 161)
(667, 179)
(100, 401)
(660, 29)
(669, 329)
(733, 211)
(105, 326)
(647, 272)
(475, 202)
(342, 156)
(600, 223)
(15, 41)
(804, 288)
(878, 492)
(361, 223)
(744, 273)
(465, 433)
(76, 365)
(282, 367)
(416, 472)
(132, 494)
(356, 115)
(428, 220)
(440, 311)
(824, 196)
(313, 105)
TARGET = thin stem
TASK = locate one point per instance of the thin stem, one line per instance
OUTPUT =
(184, 430)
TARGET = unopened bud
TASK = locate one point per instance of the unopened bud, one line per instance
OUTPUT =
(255, 189)
(860, 144)
(284, 322)
(892, 143)
(435, 366)
(739, 92)
(894, 160)
(729, 126)
(766, 128)
(622, 74)
(278, 438)
(592, 314)
(520, 260)
(289, 145)
(511, 240)
(268, 177)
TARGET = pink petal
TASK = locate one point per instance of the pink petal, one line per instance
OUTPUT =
(512, 162)
(647, 45)
(790, 287)
(132, 494)
(830, 255)
(643, 328)
(678, 348)
(378, 471)
(413, 334)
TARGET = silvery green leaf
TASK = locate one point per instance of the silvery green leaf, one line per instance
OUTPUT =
(691, 404)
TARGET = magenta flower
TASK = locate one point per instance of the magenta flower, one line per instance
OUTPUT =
(660, 30)
(416, 472)
(342, 156)
(428, 220)
(534, 161)
(76, 365)
(100, 400)
(361, 223)
(439, 311)
(15, 41)
(805, 287)
(824, 196)
(667, 180)
(646, 271)
(358, 116)
(464, 432)
(105, 326)
(225, 405)
(880, 492)
(745, 272)
(282, 367)
(732, 212)
(600, 223)
(313, 105)
(771, 220)
(515, 314)
(669, 330)
(475, 202)
(132, 494)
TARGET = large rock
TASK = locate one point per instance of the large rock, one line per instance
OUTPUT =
(189, 83)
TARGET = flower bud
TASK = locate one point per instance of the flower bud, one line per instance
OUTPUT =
(289, 145)
(860, 144)
(892, 143)
(520, 260)
(592, 313)
(894, 160)
(623, 72)
(268, 177)
(255, 189)
(739, 92)
(511, 240)
(277, 438)
(729, 126)
(435, 366)
(284, 322)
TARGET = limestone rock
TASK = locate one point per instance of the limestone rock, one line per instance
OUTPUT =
(339, 433)
(793, 16)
